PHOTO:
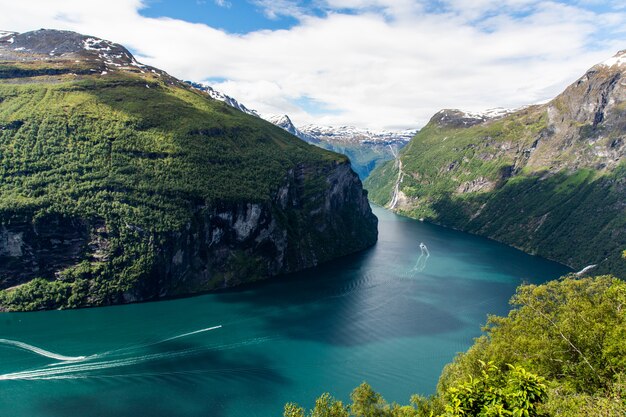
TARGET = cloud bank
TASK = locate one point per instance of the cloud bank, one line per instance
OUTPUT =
(369, 63)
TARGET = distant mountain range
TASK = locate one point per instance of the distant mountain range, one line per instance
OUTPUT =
(365, 148)
(549, 179)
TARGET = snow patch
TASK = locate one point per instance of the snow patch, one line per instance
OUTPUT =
(217, 95)
(489, 113)
(618, 59)
(93, 44)
(355, 134)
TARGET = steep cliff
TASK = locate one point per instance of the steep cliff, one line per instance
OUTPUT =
(549, 179)
(120, 183)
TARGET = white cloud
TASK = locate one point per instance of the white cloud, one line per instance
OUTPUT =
(390, 64)
(273, 9)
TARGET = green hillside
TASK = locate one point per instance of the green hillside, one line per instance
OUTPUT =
(548, 179)
(121, 185)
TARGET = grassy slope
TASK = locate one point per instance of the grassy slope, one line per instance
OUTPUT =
(574, 217)
(135, 152)
(114, 138)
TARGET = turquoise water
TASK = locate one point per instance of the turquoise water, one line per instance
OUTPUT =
(393, 316)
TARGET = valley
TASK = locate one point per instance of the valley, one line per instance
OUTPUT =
(166, 250)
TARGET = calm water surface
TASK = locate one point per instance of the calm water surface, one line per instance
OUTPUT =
(393, 316)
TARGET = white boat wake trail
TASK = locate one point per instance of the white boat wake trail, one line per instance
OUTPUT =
(41, 352)
(420, 264)
(192, 333)
(73, 365)
(421, 261)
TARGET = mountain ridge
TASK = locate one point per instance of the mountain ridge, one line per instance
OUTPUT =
(120, 183)
(548, 178)
(364, 147)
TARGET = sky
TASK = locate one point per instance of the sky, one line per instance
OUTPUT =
(378, 64)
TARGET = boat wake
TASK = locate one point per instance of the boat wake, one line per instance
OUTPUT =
(419, 266)
(421, 261)
(41, 352)
(82, 366)
(208, 329)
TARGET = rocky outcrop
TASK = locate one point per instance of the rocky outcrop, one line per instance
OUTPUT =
(230, 244)
(38, 247)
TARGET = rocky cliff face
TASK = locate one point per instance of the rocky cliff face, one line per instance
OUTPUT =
(304, 224)
(318, 214)
(120, 183)
(587, 122)
(549, 179)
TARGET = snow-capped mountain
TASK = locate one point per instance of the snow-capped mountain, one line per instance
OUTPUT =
(217, 95)
(102, 55)
(346, 134)
(285, 122)
(356, 135)
(618, 59)
(365, 148)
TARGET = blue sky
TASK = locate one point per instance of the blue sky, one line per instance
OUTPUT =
(369, 63)
(244, 16)
(234, 16)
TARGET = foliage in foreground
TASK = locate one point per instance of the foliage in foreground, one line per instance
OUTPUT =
(560, 352)
(365, 403)
(495, 393)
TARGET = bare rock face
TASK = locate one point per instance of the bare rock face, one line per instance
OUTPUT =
(228, 245)
(39, 247)
(587, 122)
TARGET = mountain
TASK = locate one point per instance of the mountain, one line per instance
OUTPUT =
(284, 122)
(217, 95)
(549, 179)
(351, 134)
(120, 183)
(366, 149)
